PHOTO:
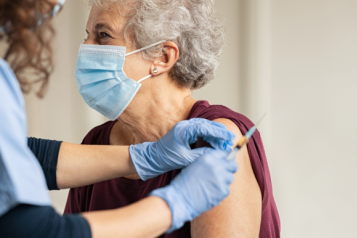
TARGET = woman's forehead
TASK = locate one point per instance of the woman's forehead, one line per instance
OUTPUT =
(110, 18)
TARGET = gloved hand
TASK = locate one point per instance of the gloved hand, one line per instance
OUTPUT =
(173, 150)
(198, 188)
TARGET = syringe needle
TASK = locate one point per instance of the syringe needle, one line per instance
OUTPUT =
(245, 138)
(261, 119)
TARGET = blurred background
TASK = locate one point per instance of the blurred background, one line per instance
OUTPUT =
(296, 60)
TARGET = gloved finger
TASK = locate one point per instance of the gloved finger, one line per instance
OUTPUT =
(228, 179)
(227, 192)
(196, 120)
(198, 153)
(216, 159)
(217, 124)
(202, 152)
(232, 165)
(224, 192)
(203, 120)
(208, 130)
(233, 155)
(219, 144)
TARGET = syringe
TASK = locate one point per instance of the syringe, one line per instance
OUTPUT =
(244, 140)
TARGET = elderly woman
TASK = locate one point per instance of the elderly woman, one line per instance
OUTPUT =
(167, 49)
(28, 164)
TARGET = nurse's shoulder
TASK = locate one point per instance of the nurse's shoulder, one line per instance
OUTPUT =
(10, 90)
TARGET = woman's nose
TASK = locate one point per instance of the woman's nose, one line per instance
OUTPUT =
(90, 41)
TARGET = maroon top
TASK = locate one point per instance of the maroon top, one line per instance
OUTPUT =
(122, 191)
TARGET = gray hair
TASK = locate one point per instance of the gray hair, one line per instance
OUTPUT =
(192, 24)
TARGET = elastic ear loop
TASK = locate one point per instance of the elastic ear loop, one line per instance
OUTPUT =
(144, 78)
(136, 51)
(147, 47)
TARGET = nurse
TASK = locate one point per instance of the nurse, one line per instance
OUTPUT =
(28, 167)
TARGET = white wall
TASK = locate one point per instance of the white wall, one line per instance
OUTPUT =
(314, 114)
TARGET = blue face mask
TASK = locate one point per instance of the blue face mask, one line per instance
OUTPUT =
(53, 13)
(101, 80)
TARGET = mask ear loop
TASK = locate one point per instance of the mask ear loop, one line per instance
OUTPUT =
(136, 51)
(144, 78)
(147, 47)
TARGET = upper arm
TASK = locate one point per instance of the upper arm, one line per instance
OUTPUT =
(239, 214)
(46, 152)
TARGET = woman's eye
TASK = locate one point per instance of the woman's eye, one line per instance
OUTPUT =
(103, 35)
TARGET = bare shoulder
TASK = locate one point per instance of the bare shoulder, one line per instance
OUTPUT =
(239, 215)
(232, 127)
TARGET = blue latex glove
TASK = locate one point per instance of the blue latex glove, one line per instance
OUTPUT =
(173, 150)
(198, 188)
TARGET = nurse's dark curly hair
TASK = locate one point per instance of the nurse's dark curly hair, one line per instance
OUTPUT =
(29, 50)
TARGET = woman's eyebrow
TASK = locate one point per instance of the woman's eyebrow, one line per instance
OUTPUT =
(100, 26)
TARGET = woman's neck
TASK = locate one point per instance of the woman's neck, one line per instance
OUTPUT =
(153, 112)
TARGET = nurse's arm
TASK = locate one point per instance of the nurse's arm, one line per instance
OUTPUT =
(80, 165)
(148, 217)
(67, 165)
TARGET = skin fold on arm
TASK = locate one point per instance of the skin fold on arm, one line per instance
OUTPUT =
(238, 215)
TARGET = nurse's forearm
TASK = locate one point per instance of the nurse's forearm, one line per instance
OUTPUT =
(148, 217)
(80, 165)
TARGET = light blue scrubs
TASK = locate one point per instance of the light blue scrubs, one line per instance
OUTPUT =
(21, 176)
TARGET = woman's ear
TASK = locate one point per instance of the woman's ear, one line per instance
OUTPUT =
(167, 60)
